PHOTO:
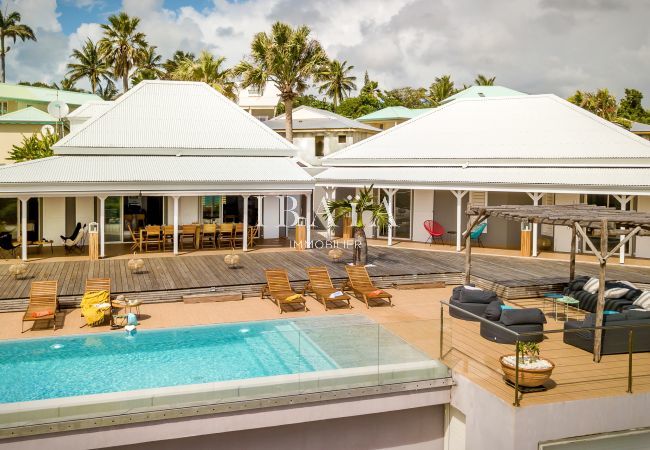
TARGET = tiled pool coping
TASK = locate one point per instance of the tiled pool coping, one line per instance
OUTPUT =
(117, 403)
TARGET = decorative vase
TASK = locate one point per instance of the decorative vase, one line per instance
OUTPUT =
(18, 270)
(135, 265)
(231, 260)
(527, 377)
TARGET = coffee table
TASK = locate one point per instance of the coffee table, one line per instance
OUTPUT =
(549, 297)
(567, 302)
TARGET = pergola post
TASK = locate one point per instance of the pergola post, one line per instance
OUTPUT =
(102, 225)
(175, 223)
(623, 200)
(245, 230)
(468, 252)
(572, 258)
(459, 211)
(23, 227)
(308, 219)
(260, 205)
(536, 197)
(600, 307)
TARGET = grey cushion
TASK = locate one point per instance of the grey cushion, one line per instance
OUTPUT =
(493, 310)
(471, 296)
(522, 316)
(633, 314)
(455, 292)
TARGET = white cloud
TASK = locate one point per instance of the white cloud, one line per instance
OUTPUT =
(38, 14)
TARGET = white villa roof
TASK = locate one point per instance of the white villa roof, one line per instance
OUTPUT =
(90, 109)
(168, 173)
(174, 117)
(629, 180)
(308, 118)
(533, 129)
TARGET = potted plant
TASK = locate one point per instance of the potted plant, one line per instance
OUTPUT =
(533, 370)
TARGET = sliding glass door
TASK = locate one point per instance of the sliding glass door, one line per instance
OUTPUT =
(113, 219)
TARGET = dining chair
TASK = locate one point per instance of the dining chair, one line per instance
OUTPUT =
(152, 237)
(188, 235)
(238, 237)
(226, 233)
(168, 236)
(209, 237)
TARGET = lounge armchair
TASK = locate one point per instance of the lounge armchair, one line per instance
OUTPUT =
(321, 285)
(359, 282)
(7, 244)
(476, 233)
(519, 320)
(70, 245)
(43, 304)
(279, 289)
(435, 231)
(471, 299)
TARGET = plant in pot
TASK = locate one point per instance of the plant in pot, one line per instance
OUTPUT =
(533, 370)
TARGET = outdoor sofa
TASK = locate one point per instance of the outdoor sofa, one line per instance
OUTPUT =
(589, 298)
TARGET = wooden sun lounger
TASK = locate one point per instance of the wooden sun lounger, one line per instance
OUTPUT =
(321, 285)
(279, 289)
(359, 282)
(101, 284)
(42, 297)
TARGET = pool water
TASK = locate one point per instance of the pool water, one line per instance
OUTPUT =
(43, 368)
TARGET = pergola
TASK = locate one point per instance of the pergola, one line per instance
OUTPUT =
(579, 217)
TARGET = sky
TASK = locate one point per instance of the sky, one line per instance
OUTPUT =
(534, 46)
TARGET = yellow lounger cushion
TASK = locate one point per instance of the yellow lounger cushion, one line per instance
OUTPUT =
(292, 298)
(89, 307)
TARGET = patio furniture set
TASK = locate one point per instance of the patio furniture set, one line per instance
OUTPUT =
(193, 236)
(437, 233)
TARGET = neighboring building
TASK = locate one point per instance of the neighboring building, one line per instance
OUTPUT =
(495, 151)
(641, 129)
(261, 104)
(86, 112)
(14, 126)
(483, 92)
(14, 97)
(389, 117)
(318, 133)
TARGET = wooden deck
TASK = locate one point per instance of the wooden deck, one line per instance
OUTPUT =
(167, 278)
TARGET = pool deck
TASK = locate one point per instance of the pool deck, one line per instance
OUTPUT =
(416, 318)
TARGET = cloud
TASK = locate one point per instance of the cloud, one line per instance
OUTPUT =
(38, 14)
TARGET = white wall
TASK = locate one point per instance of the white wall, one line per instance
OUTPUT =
(85, 210)
(561, 234)
(53, 224)
(271, 217)
(642, 248)
(188, 210)
(422, 210)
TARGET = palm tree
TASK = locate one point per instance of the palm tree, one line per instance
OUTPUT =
(108, 92)
(122, 45)
(482, 80)
(361, 203)
(441, 89)
(11, 28)
(208, 69)
(601, 103)
(286, 57)
(149, 68)
(89, 65)
(172, 63)
(337, 83)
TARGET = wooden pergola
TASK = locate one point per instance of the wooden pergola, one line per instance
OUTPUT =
(603, 221)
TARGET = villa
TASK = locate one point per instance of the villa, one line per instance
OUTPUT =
(260, 103)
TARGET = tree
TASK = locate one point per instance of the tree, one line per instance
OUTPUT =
(68, 84)
(482, 80)
(601, 103)
(171, 64)
(33, 147)
(631, 107)
(307, 100)
(286, 57)
(11, 28)
(360, 204)
(369, 87)
(122, 45)
(89, 65)
(336, 81)
(208, 69)
(354, 107)
(441, 89)
(149, 67)
(108, 92)
(407, 96)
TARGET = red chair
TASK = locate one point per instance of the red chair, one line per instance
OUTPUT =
(435, 230)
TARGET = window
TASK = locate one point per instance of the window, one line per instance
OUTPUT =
(4, 106)
(262, 118)
(319, 146)
(9, 216)
(211, 208)
(255, 91)
(342, 139)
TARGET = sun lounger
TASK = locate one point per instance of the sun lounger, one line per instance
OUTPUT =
(359, 282)
(43, 304)
(321, 285)
(95, 285)
(279, 289)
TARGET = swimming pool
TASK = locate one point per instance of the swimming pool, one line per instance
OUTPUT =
(50, 368)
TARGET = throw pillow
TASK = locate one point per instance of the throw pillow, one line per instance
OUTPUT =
(627, 283)
(493, 310)
(471, 287)
(616, 292)
(472, 296)
(643, 301)
(522, 316)
(591, 286)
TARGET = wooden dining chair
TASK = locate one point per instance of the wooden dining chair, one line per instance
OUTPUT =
(226, 233)
(136, 243)
(188, 235)
(209, 237)
(152, 237)
(253, 235)
(168, 236)
(238, 237)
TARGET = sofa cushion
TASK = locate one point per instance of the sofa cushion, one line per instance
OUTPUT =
(591, 285)
(616, 292)
(472, 296)
(522, 316)
(635, 314)
(493, 310)
(455, 292)
(633, 294)
(643, 300)
(577, 283)
(628, 284)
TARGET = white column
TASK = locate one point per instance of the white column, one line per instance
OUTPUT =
(624, 200)
(245, 230)
(260, 200)
(102, 225)
(459, 216)
(282, 216)
(308, 220)
(536, 197)
(390, 193)
(175, 223)
(23, 227)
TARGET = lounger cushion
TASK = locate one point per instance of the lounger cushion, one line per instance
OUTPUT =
(292, 298)
(472, 296)
(522, 316)
(376, 293)
(455, 292)
(493, 310)
(37, 314)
